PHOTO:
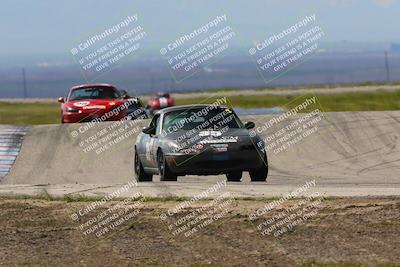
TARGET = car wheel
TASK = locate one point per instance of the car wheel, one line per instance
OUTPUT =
(165, 172)
(141, 175)
(234, 176)
(260, 174)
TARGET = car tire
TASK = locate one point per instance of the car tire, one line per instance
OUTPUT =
(141, 175)
(260, 174)
(234, 176)
(163, 169)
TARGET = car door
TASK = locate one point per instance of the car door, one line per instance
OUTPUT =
(151, 143)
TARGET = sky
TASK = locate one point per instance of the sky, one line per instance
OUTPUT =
(53, 27)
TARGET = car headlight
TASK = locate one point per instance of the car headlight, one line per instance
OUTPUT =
(185, 149)
(174, 146)
(72, 110)
(116, 110)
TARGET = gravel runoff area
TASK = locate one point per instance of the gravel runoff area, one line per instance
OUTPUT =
(337, 232)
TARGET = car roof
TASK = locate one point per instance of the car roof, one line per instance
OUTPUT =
(92, 85)
(186, 107)
(162, 93)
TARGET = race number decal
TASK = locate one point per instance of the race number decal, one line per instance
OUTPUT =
(163, 102)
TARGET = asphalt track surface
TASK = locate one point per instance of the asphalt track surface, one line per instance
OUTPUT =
(349, 154)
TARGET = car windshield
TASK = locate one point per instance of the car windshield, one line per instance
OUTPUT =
(162, 95)
(94, 93)
(200, 119)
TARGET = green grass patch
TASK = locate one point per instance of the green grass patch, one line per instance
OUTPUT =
(29, 113)
(376, 101)
(302, 87)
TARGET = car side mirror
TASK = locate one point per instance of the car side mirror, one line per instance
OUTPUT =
(149, 130)
(61, 100)
(249, 125)
(125, 94)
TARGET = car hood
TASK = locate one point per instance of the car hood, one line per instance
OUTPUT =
(94, 103)
(208, 134)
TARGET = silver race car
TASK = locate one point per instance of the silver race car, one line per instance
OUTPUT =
(199, 140)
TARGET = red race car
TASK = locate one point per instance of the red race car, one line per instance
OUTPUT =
(93, 102)
(162, 100)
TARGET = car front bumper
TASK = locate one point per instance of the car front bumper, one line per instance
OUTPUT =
(75, 117)
(209, 162)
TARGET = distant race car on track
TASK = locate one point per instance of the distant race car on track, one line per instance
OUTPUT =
(199, 140)
(162, 100)
(88, 102)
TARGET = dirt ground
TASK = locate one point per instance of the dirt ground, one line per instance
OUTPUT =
(330, 232)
